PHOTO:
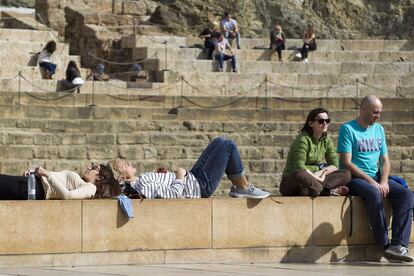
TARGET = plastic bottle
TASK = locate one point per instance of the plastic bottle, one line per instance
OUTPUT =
(31, 186)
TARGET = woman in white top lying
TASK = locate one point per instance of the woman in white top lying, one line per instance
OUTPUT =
(56, 185)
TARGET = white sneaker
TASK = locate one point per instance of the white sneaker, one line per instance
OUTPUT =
(305, 60)
(397, 253)
(298, 55)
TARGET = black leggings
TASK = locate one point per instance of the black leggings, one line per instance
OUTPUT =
(15, 187)
(306, 48)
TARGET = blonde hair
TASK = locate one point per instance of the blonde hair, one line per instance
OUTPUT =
(113, 166)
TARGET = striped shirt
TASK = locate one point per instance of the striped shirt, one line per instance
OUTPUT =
(165, 185)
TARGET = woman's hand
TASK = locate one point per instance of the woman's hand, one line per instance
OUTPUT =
(180, 173)
(41, 172)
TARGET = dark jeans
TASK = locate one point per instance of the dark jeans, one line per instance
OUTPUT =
(210, 46)
(221, 156)
(49, 67)
(306, 48)
(300, 183)
(231, 35)
(278, 48)
(402, 210)
(15, 188)
(222, 57)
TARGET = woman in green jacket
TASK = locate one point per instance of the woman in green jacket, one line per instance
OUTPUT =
(312, 163)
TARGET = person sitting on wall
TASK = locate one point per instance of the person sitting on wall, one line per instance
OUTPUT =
(362, 149)
(229, 28)
(277, 41)
(210, 35)
(306, 173)
(221, 54)
(47, 67)
(73, 78)
(309, 44)
(221, 156)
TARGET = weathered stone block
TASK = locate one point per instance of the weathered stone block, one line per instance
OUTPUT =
(101, 139)
(72, 152)
(125, 139)
(18, 238)
(131, 152)
(160, 226)
(272, 222)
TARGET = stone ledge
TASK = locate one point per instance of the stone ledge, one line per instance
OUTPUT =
(278, 229)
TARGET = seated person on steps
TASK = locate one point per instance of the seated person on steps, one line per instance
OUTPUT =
(47, 67)
(362, 147)
(221, 156)
(210, 35)
(229, 28)
(277, 41)
(306, 173)
(221, 54)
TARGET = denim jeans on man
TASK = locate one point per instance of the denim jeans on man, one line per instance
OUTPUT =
(220, 57)
(402, 210)
(221, 156)
(231, 35)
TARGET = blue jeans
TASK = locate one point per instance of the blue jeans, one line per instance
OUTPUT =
(221, 156)
(231, 35)
(402, 210)
(220, 57)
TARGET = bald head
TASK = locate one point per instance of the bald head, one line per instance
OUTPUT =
(370, 110)
(370, 101)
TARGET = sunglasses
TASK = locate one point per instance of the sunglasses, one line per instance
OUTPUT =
(321, 121)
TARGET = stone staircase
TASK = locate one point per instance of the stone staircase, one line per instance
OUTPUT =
(167, 122)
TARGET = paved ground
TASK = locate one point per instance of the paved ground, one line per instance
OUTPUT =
(355, 269)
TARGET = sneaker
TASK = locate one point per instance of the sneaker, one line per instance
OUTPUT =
(339, 191)
(220, 70)
(235, 71)
(298, 55)
(397, 253)
(250, 192)
(306, 60)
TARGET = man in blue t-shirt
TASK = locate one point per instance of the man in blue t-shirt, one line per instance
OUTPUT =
(363, 150)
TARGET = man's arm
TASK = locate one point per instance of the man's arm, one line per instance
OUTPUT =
(346, 161)
(385, 173)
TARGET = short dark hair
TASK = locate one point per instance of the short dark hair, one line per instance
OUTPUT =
(226, 14)
(50, 46)
(311, 117)
(106, 185)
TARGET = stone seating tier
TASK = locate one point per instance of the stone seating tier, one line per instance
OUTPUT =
(267, 55)
(278, 229)
(263, 43)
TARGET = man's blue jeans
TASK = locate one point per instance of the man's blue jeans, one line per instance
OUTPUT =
(231, 35)
(221, 156)
(402, 210)
(220, 57)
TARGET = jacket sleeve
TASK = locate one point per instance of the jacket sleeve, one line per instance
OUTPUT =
(84, 190)
(300, 151)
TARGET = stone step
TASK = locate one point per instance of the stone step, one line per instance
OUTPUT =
(98, 126)
(33, 73)
(27, 47)
(252, 80)
(266, 55)
(17, 20)
(285, 67)
(133, 41)
(20, 35)
(12, 84)
(251, 104)
(27, 59)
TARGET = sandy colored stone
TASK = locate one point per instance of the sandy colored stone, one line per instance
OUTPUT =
(158, 224)
(40, 227)
(278, 221)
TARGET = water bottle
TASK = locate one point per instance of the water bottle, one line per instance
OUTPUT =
(31, 186)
